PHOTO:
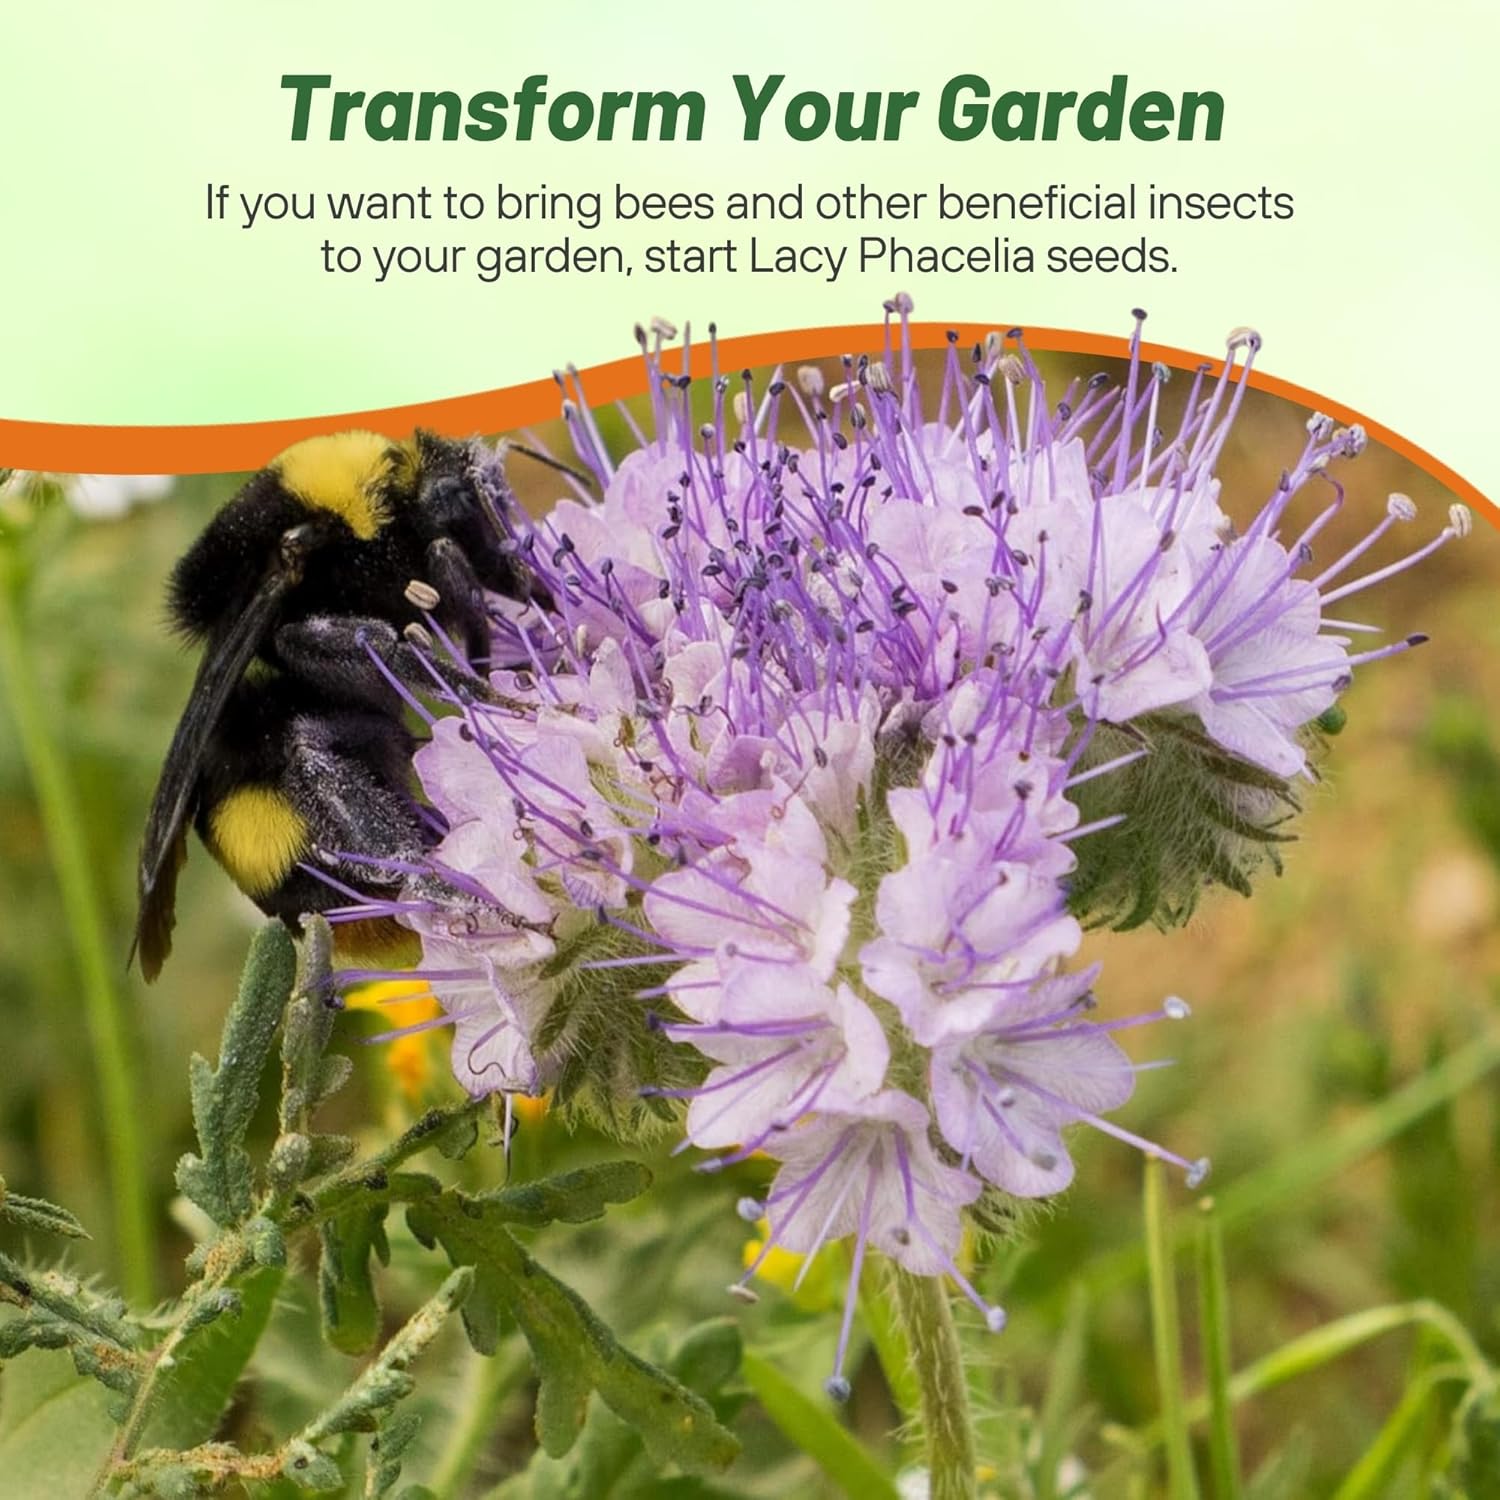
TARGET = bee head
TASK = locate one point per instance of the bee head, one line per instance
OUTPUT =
(451, 505)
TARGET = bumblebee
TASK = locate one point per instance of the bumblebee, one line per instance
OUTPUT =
(306, 592)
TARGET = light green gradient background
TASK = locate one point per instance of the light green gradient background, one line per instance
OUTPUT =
(122, 304)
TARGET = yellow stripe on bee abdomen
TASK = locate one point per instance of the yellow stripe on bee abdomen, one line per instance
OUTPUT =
(339, 473)
(257, 835)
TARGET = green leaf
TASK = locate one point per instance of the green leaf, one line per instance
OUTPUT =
(37, 1213)
(387, 1379)
(265, 1242)
(190, 1397)
(56, 1311)
(609, 1461)
(55, 1428)
(813, 1429)
(451, 1131)
(574, 1352)
(571, 1197)
(309, 1026)
(458, 1137)
(308, 1077)
(310, 1470)
(296, 1159)
(387, 1449)
(219, 1180)
(611, 1457)
(708, 1356)
(346, 1283)
(368, 1405)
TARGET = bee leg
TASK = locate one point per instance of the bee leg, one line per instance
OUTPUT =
(345, 655)
(349, 771)
(461, 599)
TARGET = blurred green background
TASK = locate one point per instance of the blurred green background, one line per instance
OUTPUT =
(1366, 970)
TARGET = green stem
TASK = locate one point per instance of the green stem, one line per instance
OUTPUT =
(1213, 1305)
(233, 1257)
(1166, 1335)
(143, 1403)
(119, 1091)
(882, 1320)
(352, 1181)
(938, 1362)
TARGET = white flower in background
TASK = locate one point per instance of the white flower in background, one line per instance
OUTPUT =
(101, 497)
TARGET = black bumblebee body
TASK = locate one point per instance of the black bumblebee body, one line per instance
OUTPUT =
(288, 778)
(307, 590)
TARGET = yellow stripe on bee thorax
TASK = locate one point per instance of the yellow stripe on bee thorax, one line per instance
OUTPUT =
(257, 835)
(342, 474)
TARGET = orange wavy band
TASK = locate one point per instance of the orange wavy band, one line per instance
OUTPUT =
(234, 446)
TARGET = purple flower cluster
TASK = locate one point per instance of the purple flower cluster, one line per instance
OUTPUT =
(787, 766)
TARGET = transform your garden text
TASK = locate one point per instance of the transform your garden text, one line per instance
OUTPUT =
(968, 108)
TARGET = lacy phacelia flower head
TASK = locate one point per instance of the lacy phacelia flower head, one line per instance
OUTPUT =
(778, 818)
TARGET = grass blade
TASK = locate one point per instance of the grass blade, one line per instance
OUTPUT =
(1166, 1335)
(1059, 1411)
(1213, 1312)
(1311, 1351)
(1315, 1161)
(1377, 1465)
(1308, 1164)
(98, 966)
(814, 1430)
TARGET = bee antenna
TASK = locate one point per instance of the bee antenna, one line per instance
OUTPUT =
(507, 446)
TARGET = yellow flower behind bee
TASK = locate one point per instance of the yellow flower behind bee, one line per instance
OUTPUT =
(402, 1003)
(531, 1107)
(414, 1059)
(822, 1285)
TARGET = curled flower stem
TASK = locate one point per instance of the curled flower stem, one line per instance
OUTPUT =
(947, 1427)
(57, 802)
(1321, 1346)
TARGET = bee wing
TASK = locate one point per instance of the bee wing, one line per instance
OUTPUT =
(164, 845)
